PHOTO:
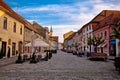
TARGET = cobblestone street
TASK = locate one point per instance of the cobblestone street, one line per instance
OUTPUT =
(62, 66)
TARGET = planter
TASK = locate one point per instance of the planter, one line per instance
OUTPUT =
(46, 59)
(25, 58)
(33, 61)
(50, 55)
(117, 63)
(47, 56)
(18, 61)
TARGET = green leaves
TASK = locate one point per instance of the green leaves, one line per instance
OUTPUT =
(116, 31)
(89, 41)
(95, 41)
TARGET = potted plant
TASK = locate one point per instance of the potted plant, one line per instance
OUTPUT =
(19, 60)
(33, 59)
(8, 54)
(50, 55)
(46, 58)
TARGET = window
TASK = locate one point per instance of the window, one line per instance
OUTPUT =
(87, 35)
(89, 27)
(101, 34)
(21, 30)
(14, 27)
(105, 34)
(9, 41)
(5, 23)
(97, 35)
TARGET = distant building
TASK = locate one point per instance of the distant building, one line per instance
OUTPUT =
(54, 42)
(60, 46)
(41, 30)
(66, 35)
(69, 42)
(51, 31)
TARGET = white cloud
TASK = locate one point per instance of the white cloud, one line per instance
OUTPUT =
(79, 13)
(59, 30)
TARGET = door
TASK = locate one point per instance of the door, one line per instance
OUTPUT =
(13, 48)
(3, 50)
(20, 47)
(113, 50)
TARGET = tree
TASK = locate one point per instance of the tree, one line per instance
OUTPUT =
(116, 31)
(76, 46)
(97, 41)
(116, 35)
(90, 42)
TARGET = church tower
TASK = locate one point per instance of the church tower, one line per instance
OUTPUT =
(51, 31)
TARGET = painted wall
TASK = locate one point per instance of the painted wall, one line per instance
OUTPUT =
(8, 34)
(101, 32)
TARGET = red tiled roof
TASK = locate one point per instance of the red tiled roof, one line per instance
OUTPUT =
(94, 26)
(110, 20)
(103, 14)
(55, 38)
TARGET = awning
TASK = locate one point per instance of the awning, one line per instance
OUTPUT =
(38, 43)
(112, 42)
(102, 45)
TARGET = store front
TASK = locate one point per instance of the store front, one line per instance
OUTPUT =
(112, 47)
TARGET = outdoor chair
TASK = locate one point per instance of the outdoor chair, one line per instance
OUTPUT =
(25, 58)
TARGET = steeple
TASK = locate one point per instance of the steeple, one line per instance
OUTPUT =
(51, 31)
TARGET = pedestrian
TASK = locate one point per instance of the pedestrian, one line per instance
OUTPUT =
(77, 53)
(85, 53)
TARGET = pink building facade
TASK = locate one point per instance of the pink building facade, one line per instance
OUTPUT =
(104, 29)
(103, 32)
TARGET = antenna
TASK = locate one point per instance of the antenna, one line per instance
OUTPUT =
(17, 7)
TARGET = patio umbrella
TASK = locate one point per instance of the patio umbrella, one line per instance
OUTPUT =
(38, 43)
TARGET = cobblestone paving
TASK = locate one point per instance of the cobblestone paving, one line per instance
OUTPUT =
(62, 66)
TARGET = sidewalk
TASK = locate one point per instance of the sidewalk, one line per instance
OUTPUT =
(111, 57)
(7, 61)
(61, 66)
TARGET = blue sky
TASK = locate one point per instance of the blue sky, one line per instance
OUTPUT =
(62, 15)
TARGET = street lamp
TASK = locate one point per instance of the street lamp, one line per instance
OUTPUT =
(32, 41)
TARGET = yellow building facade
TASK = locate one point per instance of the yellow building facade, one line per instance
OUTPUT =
(11, 34)
(66, 35)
